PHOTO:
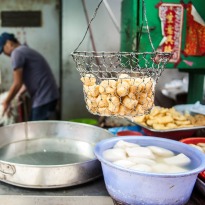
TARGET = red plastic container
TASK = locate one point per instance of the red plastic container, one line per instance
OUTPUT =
(195, 140)
(128, 133)
(174, 135)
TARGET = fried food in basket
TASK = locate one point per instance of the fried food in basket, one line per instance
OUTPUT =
(88, 79)
(123, 96)
(108, 87)
(168, 118)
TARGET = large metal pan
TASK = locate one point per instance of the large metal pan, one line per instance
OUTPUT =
(49, 154)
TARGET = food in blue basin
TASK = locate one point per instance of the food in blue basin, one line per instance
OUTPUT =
(136, 187)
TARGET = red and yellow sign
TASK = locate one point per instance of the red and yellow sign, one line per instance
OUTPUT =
(195, 33)
(171, 16)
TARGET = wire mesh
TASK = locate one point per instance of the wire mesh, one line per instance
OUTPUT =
(120, 84)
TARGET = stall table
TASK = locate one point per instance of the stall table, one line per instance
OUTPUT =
(92, 193)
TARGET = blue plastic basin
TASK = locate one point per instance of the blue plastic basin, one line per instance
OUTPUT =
(140, 188)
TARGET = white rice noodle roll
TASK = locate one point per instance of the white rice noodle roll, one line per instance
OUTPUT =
(176, 169)
(178, 160)
(162, 152)
(123, 144)
(141, 167)
(124, 163)
(160, 168)
(138, 160)
(112, 155)
(142, 152)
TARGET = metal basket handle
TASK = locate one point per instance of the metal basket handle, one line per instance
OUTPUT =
(95, 13)
(147, 25)
(93, 17)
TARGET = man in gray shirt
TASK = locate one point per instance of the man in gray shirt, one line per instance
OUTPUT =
(32, 70)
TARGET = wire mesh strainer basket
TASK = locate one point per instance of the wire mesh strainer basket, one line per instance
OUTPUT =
(120, 83)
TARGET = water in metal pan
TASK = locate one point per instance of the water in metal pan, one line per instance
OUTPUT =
(47, 151)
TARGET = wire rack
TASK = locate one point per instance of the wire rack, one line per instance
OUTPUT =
(120, 84)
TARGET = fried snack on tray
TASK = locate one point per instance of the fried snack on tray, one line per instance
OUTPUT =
(168, 118)
(122, 96)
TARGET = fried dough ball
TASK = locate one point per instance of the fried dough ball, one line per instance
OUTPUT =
(149, 84)
(179, 117)
(91, 102)
(149, 103)
(136, 88)
(181, 123)
(92, 90)
(101, 101)
(142, 98)
(132, 96)
(113, 108)
(150, 122)
(139, 83)
(139, 119)
(104, 111)
(155, 111)
(150, 94)
(112, 99)
(92, 109)
(127, 96)
(108, 86)
(124, 78)
(130, 80)
(123, 88)
(171, 126)
(110, 90)
(164, 119)
(129, 103)
(123, 111)
(139, 110)
(88, 79)
(157, 126)
(114, 103)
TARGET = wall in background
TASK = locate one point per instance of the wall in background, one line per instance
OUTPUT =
(106, 38)
(44, 39)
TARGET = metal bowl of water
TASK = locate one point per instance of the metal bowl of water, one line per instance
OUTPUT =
(49, 154)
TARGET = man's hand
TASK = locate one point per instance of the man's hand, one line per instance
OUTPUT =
(6, 108)
(15, 87)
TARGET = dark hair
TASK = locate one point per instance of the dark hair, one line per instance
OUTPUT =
(15, 40)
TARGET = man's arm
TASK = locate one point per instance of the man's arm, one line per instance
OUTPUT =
(15, 87)
(21, 91)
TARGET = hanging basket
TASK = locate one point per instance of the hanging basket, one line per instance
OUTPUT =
(120, 84)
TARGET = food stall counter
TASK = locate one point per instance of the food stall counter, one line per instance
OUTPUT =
(92, 193)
